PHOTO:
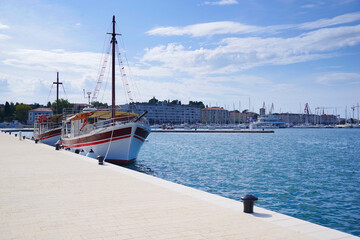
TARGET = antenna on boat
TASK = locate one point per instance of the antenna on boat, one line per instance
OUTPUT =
(57, 92)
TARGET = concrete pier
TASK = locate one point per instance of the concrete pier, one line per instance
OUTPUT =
(49, 194)
(212, 131)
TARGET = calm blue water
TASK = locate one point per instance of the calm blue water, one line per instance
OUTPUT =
(311, 174)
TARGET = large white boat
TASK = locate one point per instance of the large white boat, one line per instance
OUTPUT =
(116, 136)
(268, 122)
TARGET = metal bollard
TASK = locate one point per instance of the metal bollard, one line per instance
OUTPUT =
(19, 135)
(77, 151)
(24, 137)
(36, 140)
(249, 201)
(100, 159)
(57, 146)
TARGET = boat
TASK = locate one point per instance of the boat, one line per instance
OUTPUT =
(47, 129)
(268, 122)
(115, 136)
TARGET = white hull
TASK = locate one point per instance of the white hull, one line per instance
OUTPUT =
(117, 144)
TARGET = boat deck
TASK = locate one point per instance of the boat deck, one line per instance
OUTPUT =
(49, 194)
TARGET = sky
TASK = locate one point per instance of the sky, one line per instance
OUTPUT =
(236, 54)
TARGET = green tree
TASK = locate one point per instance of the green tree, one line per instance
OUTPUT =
(7, 110)
(48, 104)
(153, 100)
(21, 112)
(1, 114)
(99, 104)
(199, 104)
(62, 104)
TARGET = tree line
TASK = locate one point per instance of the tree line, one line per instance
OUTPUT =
(199, 104)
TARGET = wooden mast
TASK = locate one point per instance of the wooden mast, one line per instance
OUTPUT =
(57, 92)
(113, 41)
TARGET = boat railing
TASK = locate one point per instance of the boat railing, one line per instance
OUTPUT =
(40, 127)
(101, 124)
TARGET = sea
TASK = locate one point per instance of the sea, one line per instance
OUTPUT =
(311, 174)
(308, 173)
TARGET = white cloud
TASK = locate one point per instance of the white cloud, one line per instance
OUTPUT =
(2, 26)
(205, 29)
(229, 27)
(339, 78)
(4, 36)
(237, 54)
(53, 60)
(308, 6)
(326, 22)
(222, 2)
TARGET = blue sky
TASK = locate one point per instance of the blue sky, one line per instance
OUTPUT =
(221, 52)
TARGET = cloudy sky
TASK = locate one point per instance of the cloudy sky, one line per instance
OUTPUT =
(229, 53)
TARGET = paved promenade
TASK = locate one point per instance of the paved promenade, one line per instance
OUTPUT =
(49, 194)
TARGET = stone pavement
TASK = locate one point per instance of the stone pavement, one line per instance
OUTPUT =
(49, 194)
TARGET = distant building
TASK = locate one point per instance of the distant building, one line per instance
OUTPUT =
(160, 113)
(34, 114)
(240, 118)
(214, 115)
(79, 106)
(308, 119)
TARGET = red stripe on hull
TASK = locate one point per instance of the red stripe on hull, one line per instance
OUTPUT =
(50, 136)
(96, 143)
(139, 138)
(98, 136)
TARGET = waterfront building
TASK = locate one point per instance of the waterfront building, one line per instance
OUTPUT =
(214, 115)
(293, 119)
(162, 113)
(34, 114)
(240, 118)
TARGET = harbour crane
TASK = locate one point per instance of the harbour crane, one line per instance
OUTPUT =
(307, 109)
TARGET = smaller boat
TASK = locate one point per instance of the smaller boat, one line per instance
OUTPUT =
(48, 129)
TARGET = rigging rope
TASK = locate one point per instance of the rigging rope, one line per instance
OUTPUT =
(50, 92)
(64, 90)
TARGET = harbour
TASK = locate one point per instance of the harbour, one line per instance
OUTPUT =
(49, 194)
(244, 138)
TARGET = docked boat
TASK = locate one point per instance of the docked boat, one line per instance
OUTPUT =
(268, 122)
(115, 136)
(47, 129)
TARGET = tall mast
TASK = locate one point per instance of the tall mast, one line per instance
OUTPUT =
(57, 92)
(113, 41)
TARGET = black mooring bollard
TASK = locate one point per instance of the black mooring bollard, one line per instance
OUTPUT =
(77, 151)
(100, 159)
(57, 146)
(24, 137)
(249, 201)
(36, 140)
